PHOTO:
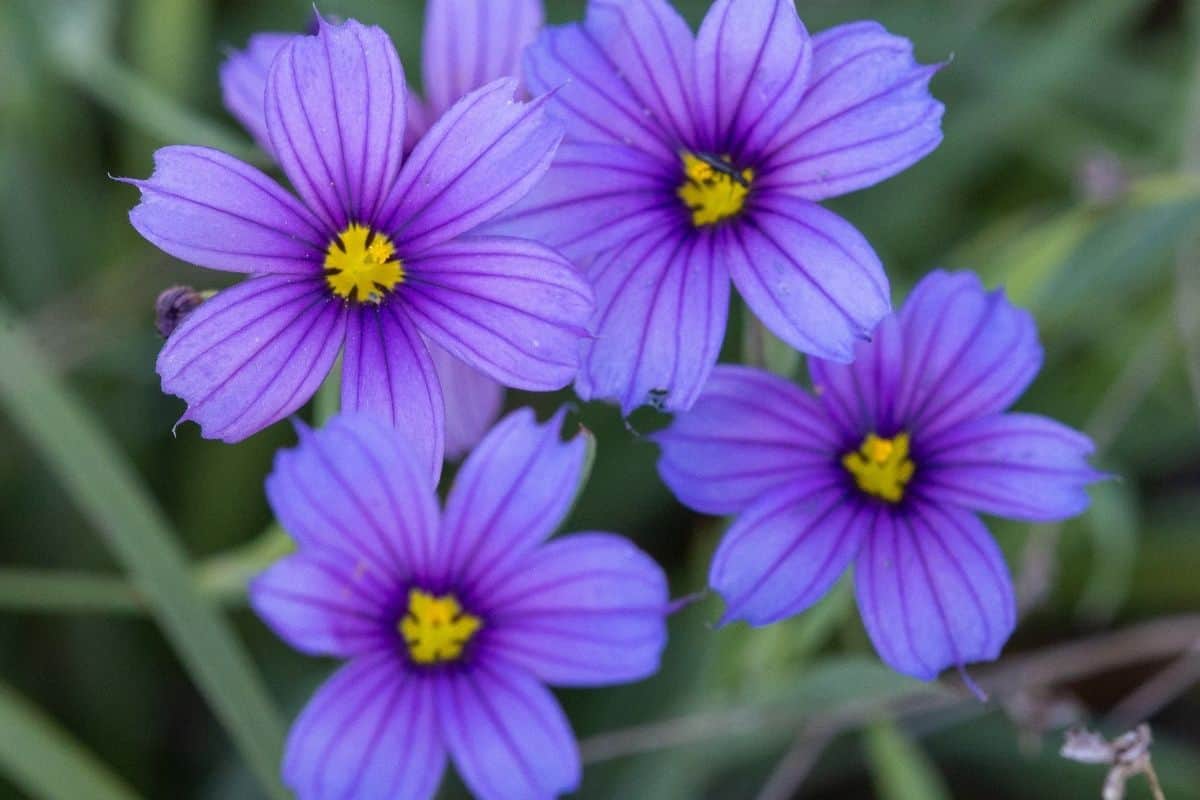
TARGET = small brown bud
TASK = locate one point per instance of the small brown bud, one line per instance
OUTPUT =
(172, 307)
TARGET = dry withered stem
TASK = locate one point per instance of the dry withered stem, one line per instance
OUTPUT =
(1126, 756)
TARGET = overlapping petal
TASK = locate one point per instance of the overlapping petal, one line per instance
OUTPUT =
(244, 82)
(661, 307)
(253, 354)
(589, 98)
(787, 549)
(860, 397)
(933, 590)
(968, 352)
(473, 401)
(1020, 466)
(354, 487)
(335, 108)
(595, 197)
(371, 731)
(866, 116)
(750, 432)
(469, 43)
(322, 604)
(511, 493)
(513, 309)
(507, 734)
(585, 610)
(482, 156)
(752, 64)
(387, 372)
(215, 211)
(808, 275)
(653, 50)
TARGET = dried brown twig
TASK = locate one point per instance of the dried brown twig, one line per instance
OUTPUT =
(1126, 756)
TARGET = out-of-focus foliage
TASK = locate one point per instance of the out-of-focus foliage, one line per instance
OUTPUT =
(1070, 173)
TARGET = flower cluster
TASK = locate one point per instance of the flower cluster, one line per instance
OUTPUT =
(572, 205)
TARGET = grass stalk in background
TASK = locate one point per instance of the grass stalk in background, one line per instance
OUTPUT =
(100, 480)
(46, 761)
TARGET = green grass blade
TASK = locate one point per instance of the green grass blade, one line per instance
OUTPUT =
(43, 759)
(901, 769)
(100, 480)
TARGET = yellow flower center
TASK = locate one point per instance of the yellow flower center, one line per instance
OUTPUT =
(436, 629)
(361, 264)
(713, 189)
(881, 467)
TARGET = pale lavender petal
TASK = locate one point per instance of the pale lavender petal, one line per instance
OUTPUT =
(861, 397)
(867, 115)
(513, 309)
(588, 95)
(585, 610)
(596, 196)
(244, 82)
(661, 306)
(253, 353)
(785, 551)
(933, 590)
(750, 432)
(371, 731)
(507, 735)
(654, 51)
(752, 64)
(335, 109)
(482, 156)
(473, 401)
(216, 211)
(510, 494)
(321, 604)
(356, 488)
(968, 352)
(1020, 466)
(469, 43)
(808, 274)
(387, 373)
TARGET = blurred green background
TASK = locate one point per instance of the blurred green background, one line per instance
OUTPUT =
(1070, 173)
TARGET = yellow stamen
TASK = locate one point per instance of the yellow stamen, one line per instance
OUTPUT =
(881, 467)
(360, 264)
(436, 629)
(710, 193)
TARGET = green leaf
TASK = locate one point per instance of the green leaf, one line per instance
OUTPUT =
(104, 486)
(45, 761)
(900, 768)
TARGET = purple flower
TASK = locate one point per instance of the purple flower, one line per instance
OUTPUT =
(374, 255)
(885, 467)
(467, 44)
(452, 621)
(693, 160)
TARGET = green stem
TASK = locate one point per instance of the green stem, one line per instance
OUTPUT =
(221, 578)
(126, 94)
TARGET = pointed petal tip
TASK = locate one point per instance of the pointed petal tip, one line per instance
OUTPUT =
(303, 429)
(973, 687)
(680, 603)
